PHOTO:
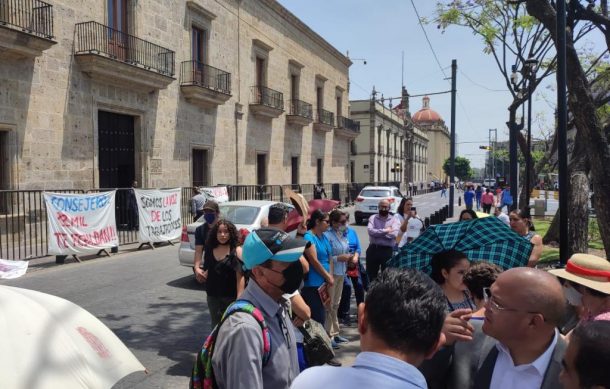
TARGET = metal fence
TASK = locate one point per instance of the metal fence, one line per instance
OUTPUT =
(32, 16)
(24, 226)
(198, 73)
(96, 38)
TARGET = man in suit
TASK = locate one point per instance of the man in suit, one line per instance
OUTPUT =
(523, 348)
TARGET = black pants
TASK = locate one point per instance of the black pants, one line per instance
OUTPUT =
(376, 258)
(487, 208)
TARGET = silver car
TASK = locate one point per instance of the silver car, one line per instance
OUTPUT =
(247, 214)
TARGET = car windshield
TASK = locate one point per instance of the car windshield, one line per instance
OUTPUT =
(239, 214)
(375, 193)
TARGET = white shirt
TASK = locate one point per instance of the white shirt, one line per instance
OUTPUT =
(529, 376)
(504, 218)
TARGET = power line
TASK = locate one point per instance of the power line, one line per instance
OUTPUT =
(427, 39)
(481, 86)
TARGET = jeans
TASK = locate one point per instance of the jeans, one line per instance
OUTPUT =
(376, 258)
(217, 306)
(312, 298)
(487, 208)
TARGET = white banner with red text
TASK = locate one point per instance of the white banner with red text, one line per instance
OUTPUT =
(80, 223)
(159, 214)
(220, 194)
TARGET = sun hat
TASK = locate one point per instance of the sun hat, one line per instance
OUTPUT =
(269, 243)
(298, 201)
(587, 270)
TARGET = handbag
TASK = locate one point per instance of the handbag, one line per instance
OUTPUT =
(316, 343)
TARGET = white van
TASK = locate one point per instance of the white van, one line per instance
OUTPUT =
(489, 183)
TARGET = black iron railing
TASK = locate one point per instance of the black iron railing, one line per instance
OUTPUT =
(95, 38)
(326, 117)
(347, 123)
(31, 16)
(262, 95)
(200, 74)
(301, 108)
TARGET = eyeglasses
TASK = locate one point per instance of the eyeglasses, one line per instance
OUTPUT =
(493, 304)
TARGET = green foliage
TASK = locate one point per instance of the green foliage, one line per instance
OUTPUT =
(462, 168)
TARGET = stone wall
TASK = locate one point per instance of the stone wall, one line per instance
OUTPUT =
(50, 105)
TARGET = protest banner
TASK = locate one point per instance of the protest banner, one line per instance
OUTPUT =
(220, 194)
(80, 223)
(159, 211)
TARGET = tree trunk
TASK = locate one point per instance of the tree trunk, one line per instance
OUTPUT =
(582, 106)
(524, 196)
(552, 234)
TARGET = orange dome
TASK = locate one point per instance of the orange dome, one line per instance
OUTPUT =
(426, 114)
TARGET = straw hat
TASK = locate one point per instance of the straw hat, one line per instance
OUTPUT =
(298, 201)
(587, 270)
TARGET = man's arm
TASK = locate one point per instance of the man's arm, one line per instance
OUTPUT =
(238, 355)
(375, 232)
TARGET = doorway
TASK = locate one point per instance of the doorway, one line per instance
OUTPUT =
(200, 167)
(116, 162)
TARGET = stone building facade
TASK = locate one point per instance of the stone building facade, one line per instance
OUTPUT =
(439, 140)
(168, 94)
(379, 154)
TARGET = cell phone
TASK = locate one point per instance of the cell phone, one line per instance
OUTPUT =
(413, 209)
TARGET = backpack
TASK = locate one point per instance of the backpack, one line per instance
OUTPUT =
(202, 376)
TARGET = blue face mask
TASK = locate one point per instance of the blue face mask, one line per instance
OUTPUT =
(209, 217)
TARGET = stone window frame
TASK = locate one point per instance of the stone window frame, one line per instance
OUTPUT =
(201, 18)
(11, 150)
(261, 50)
(210, 151)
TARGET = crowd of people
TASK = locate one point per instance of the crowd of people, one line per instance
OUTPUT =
(468, 324)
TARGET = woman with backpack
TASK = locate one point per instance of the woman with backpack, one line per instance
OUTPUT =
(222, 268)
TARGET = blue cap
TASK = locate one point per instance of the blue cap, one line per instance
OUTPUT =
(269, 243)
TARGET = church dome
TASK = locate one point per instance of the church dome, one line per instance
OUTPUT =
(426, 114)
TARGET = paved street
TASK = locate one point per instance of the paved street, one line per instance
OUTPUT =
(155, 306)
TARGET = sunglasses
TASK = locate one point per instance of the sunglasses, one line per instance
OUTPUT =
(495, 306)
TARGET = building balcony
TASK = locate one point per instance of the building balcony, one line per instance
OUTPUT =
(300, 113)
(26, 28)
(111, 56)
(204, 85)
(325, 121)
(347, 128)
(266, 102)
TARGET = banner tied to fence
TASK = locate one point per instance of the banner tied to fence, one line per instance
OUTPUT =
(80, 223)
(159, 214)
(220, 194)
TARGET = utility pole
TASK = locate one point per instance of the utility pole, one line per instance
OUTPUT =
(514, 162)
(492, 145)
(452, 152)
(562, 141)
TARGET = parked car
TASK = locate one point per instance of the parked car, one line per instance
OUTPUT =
(246, 215)
(368, 200)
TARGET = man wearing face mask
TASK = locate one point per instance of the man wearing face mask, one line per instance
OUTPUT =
(211, 213)
(272, 258)
(383, 229)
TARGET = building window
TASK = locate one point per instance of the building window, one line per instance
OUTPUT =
(117, 15)
(378, 171)
(352, 171)
(261, 169)
(294, 170)
(294, 87)
(339, 104)
(261, 71)
(198, 45)
(387, 172)
(201, 167)
(319, 171)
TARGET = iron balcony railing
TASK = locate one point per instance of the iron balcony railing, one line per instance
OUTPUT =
(200, 74)
(301, 108)
(95, 38)
(31, 16)
(261, 95)
(343, 122)
(326, 117)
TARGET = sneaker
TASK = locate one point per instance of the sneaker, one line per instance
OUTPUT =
(333, 362)
(340, 339)
(334, 345)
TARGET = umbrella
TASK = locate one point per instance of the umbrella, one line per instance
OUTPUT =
(326, 205)
(486, 239)
(49, 342)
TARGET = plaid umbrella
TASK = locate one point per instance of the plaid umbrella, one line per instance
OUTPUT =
(486, 239)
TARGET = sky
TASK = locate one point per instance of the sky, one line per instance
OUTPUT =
(381, 30)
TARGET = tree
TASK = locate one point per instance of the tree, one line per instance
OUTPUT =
(462, 168)
(512, 37)
(592, 143)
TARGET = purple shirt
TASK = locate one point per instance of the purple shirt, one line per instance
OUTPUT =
(376, 227)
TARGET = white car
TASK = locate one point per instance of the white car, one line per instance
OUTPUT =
(368, 200)
(247, 214)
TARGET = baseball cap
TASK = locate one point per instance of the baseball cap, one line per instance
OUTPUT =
(211, 205)
(268, 243)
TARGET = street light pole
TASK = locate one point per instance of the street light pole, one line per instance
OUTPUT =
(493, 149)
(562, 141)
(452, 151)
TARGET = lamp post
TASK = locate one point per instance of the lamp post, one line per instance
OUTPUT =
(529, 69)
